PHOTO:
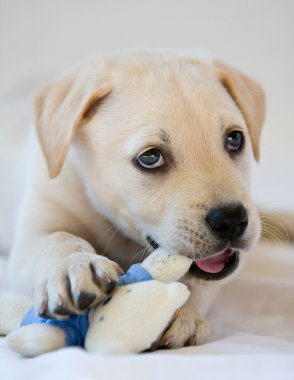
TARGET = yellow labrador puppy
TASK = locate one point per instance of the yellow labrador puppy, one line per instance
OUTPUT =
(143, 149)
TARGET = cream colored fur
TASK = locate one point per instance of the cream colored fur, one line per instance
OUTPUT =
(91, 124)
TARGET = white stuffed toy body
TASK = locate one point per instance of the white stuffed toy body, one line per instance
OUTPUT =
(128, 321)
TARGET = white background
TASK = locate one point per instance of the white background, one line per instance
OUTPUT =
(256, 36)
(39, 38)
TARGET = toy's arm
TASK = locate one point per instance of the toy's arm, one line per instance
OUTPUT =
(166, 267)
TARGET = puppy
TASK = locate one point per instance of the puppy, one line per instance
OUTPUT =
(143, 149)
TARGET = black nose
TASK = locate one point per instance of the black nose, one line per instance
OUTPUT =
(228, 222)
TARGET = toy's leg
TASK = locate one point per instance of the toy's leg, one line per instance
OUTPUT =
(36, 339)
(12, 310)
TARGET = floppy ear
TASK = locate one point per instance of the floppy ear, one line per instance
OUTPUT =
(248, 96)
(60, 109)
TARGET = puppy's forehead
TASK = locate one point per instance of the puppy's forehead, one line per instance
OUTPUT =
(176, 99)
(178, 91)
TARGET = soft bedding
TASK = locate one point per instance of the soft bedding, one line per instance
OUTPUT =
(252, 335)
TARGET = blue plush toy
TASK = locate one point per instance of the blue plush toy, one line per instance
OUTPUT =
(128, 321)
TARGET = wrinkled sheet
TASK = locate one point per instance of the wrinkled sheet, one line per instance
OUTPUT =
(252, 335)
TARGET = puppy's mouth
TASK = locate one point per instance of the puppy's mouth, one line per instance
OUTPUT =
(214, 267)
(217, 266)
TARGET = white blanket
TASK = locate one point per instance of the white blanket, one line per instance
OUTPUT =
(252, 336)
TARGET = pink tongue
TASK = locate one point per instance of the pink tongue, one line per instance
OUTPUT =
(213, 264)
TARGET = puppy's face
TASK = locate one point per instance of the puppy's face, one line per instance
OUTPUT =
(167, 159)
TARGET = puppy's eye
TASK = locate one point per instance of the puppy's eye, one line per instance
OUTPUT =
(151, 159)
(235, 141)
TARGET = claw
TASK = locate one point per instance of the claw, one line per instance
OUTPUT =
(106, 277)
(191, 341)
(46, 314)
(168, 341)
(105, 283)
(119, 270)
(85, 300)
(61, 310)
(44, 307)
(110, 287)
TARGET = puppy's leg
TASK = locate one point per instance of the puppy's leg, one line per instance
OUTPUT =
(187, 328)
(63, 272)
(36, 339)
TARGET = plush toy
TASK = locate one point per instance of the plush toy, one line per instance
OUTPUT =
(128, 321)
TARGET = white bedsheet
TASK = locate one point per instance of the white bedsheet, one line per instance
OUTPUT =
(252, 336)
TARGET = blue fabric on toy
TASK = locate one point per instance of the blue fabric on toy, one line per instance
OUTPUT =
(75, 328)
(136, 273)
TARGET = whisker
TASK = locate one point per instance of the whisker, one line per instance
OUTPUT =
(109, 229)
(272, 234)
(110, 240)
(278, 230)
(142, 253)
(278, 221)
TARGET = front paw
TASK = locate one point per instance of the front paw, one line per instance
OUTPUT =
(186, 329)
(77, 283)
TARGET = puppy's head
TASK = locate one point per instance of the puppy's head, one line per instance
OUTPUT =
(165, 144)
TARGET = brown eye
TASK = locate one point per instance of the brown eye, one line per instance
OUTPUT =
(151, 159)
(235, 141)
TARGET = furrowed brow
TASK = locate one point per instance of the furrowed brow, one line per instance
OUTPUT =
(164, 137)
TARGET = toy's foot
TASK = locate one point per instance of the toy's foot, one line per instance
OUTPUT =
(12, 309)
(36, 339)
(187, 328)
